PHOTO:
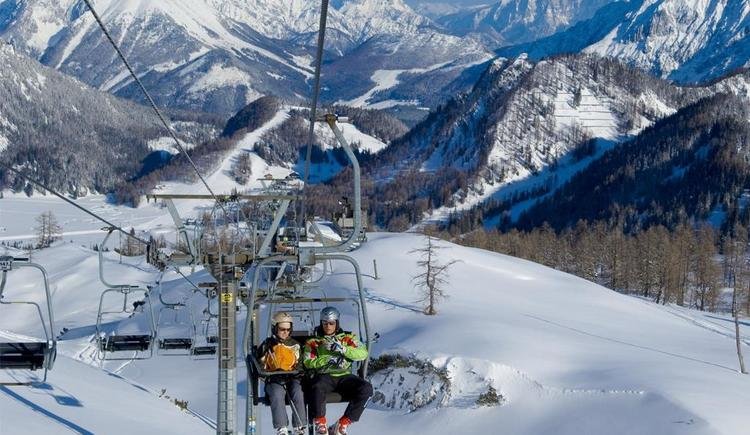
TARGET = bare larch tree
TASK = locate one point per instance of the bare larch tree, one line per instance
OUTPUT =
(433, 278)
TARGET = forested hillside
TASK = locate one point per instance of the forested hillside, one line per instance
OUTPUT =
(74, 138)
(682, 168)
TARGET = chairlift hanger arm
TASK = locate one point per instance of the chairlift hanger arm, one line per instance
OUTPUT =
(331, 120)
(109, 230)
(180, 226)
(48, 349)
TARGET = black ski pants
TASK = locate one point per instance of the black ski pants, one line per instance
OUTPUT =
(352, 388)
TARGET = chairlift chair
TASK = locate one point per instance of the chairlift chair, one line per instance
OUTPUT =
(303, 300)
(175, 344)
(110, 344)
(28, 355)
(204, 344)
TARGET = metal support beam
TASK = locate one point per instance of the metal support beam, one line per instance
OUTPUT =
(227, 198)
(265, 248)
(226, 414)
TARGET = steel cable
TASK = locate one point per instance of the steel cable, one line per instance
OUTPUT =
(83, 209)
(314, 105)
(148, 97)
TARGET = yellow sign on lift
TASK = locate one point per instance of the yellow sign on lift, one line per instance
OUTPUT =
(226, 298)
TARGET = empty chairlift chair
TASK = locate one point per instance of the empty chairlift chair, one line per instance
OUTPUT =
(112, 344)
(176, 328)
(204, 343)
(17, 353)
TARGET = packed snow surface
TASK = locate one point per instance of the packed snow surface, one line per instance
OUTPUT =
(566, 355)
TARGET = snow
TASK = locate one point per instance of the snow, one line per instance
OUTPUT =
(85, 400)
(592, 114)
(220, 76)
(3, 143)
(199, 19)
(386, 79)
(82, 27)
(352, 135)
(220, 179)
(18, 213)
(110, 84)
(387, 104)
(307, 62)
(568, 356)
(680, 39)
(46, 25)
(166, 143)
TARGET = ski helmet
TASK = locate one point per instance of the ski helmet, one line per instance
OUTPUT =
(281, 317)
(329, 314)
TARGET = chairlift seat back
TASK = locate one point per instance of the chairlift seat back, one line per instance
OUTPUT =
(175, 343)
(26, 356)
(203, 350)
(118, 343)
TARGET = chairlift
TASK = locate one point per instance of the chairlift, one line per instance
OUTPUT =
(205, 343)
(28, 355)
(111, 344)
(175, 344)
(305, 308)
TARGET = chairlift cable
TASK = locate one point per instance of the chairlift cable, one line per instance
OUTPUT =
(83, 209)
(148, 97)
(316, 94)
(177, 269)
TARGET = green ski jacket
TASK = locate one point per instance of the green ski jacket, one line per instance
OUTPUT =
(321, 356)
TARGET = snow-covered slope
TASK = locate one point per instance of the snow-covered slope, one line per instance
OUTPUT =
(57, 126)
(526, 128)
(79, 397)
(86, 400)
(567, 356)
(522, 118)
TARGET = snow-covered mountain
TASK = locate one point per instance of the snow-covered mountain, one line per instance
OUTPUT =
(685, 40)
(517, 21)
(217, 55)
(523, 131)
(434, 9)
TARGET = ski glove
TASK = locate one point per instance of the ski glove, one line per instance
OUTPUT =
(336, 347)
(336, 362)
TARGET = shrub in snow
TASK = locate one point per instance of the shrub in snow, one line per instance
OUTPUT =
(490, 398)
(407, 383)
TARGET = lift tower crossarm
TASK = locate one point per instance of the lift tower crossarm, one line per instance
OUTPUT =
(228, 198)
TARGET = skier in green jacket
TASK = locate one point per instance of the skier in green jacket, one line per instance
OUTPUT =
(329, 355)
